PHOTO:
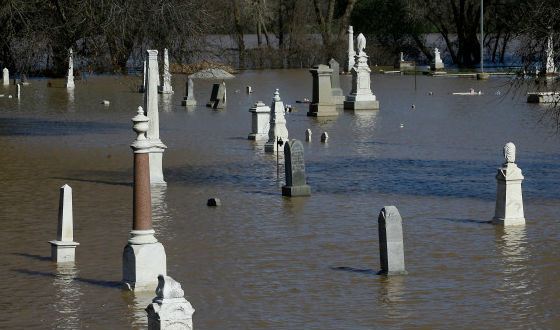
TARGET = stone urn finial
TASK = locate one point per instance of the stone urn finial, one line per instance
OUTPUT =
(509, 152)
(140, 124)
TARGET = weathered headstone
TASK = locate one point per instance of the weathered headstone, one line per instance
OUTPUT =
(6, 76)
(213, 95)
(351, 53)
(166, 88)
(143, 257)
(169, 310)
(391, 245)
(308, 134)
(324, 137)
(260, 121)
(214, 202)
(189, 99)
(337, 94)
(509, 196)
(296, 183)
(151, 107)
(249, 89)
(18, 91)
(361, 97)
(438, 63)
(221, 97)
(277, 129)
(322, 104)
(70, 77)
(63, 249)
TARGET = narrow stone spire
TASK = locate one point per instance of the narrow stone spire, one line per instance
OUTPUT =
(63, 249)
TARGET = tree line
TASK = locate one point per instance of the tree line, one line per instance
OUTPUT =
(107, 34)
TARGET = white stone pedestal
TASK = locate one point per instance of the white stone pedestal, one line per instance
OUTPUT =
(260, 122)
(277, 129)
(322, 104)
(144, 260)
(156, 165)
(361, 97)
(63, 251)
(509, 197)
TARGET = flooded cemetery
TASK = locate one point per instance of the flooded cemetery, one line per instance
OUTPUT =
(265, 261)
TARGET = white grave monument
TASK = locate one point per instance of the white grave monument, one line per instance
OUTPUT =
(509, 197)
(351, 52)
(361, 97)
(6, 76)
(169, 310)
(325, 137)
(63, 249)
(166, 87)
(391, 245)
(18, 91)
(277, 128)
(70, 77)
(308, 134)
(152, 111)
(260, 123)
(189, 99)
(337, 93)
(550, 68)
(322, 103)
(438, 63)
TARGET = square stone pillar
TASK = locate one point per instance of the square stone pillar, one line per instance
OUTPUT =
(260, 121)
(509, 196)
(322, 104)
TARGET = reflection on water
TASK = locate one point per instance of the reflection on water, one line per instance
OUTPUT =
(70, 93)
(67, 300)
(516, 277)
(392, 296)
(137, 303)
(160, 213)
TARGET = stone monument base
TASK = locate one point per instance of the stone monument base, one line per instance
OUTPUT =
(156, 167)
(482, 76)
(361, 105)
(296, 191)
(322, 110)
(188, 103)
(63, 251)
(338, 99)
(142, 264)
(402, 272)
(509, 221)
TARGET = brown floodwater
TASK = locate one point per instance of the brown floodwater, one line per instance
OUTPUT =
(262, 261)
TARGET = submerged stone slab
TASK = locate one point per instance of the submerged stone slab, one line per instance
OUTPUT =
(391, 245)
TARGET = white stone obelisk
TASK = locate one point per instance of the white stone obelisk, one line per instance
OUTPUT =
(166, 87)
(152, 111)
(70, 77)
(509, 196)
(277, 128)
(550, 67)
(169, 309)
(361, 97)
(351, 52)
(63, 249)
(6, 76)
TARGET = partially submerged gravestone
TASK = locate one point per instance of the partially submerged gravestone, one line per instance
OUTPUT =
(308, 134)
(166, 88)
(144, 257)
(437, 64)
(218, 98)
(18, 91)
(214, 202)
(322, 103)
(277, 129)
(169, 309)
(189, 99)
(391, 245)
(151, 107)
(6, 76)
(361, 97)
(337, 94)
(296, 183)
(70, 77)
(509, 196)
(63, 249)
(324, 137)
(260, 121)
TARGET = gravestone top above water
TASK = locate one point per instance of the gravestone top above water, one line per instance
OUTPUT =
(295, 164)
(509, 152)
(391, 245)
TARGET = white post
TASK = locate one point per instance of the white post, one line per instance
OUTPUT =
(351, 52)
(152, 111)
(6, 76)
(70, 77)
(63, 249)
(481, 35)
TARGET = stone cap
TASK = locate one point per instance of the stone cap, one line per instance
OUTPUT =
(168, 288)
(64, 243)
